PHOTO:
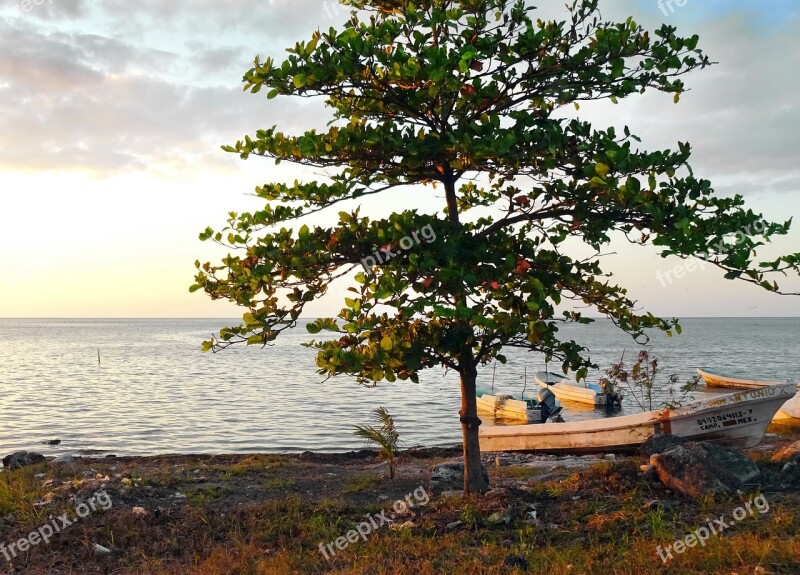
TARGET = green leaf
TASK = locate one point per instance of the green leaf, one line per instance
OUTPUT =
(387, 344)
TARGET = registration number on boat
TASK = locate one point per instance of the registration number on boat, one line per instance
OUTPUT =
(726, 420)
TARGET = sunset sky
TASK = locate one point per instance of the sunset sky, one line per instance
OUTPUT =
(112, 114)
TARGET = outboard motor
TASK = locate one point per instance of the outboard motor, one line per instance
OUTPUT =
(547, 400)
(613, 396)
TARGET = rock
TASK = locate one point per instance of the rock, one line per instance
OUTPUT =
(455, 525)
(453, 493)
(405, 525)
(698, 468)
(787, 452)
(65, 459)
(497, 518)
(101, 551)
(649, 473)
(790, 472)
(139, 511)
(52, 442)
(22, 459)
(449, 476)
(659, 444)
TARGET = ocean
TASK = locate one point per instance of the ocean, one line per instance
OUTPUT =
(154, 391)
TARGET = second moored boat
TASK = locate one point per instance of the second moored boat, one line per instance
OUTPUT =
(568, 390)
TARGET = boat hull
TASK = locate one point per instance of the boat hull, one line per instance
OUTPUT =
(737, 420)
(566, 392)
(508, 408)
(788, 413)
(717, 380)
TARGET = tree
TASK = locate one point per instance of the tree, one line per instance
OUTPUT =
(384, 435)
(468, 97)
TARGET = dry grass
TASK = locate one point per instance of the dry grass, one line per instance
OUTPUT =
(259, 516)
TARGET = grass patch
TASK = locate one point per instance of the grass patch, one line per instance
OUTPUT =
(279, 483)
(19, 490)
(207, 494)
(361, 482)
(520, 472)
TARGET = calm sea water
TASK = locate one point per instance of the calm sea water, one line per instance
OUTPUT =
(155, 392)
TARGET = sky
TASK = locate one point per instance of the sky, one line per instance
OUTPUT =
(112, 115)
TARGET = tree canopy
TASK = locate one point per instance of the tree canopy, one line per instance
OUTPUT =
(469, 98)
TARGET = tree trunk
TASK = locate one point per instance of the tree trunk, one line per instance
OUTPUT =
(474, 481)
(473, 477)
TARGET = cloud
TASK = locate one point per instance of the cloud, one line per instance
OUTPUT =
(82, 101)
(122, 85)
(53, 9)
(739, 115)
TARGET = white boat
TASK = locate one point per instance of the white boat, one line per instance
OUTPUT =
(505, 406)
(736, 419)
(568, 390)
(714, 379)
(789, 411)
